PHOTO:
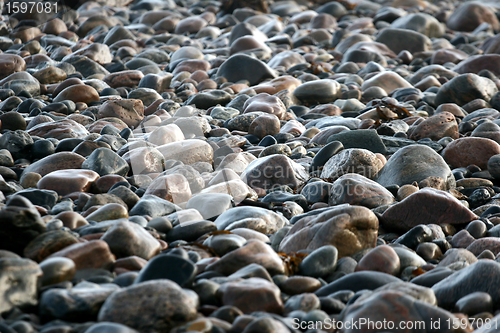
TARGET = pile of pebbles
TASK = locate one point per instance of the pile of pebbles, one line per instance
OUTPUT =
(183, 166)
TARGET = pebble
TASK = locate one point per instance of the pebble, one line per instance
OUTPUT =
(413, 164)
(252, 294)
(348, 228)
(359, 161)
(477, 277)
(180, 270)
(20, 276)
(153, 297)
(253, 251)
(355, 189)
(396, 217)
(382, 258)
(82, 301)
(68, 181)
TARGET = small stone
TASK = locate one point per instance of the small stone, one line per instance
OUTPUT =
(357, 281)
(410, 40)
(305, 302)
(264, 125)
(78, 93)
(474, 303)
(238, 217)
(264, 102)
(280, 170)
(131, 111)
(382, 259)
(110, 211)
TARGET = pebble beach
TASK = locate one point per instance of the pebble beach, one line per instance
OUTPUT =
(249, 166)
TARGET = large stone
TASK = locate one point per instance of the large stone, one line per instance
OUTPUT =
(402, 39)
(360, 161)
(436, 127)
(21, 223)
(413, 164)
(427, 206)
(470, 15)
(379, 308)
(173, 187)
(78, 304)
(253, 251)
(152, 306)
(271, 221)
(469, 150)
(250, 295)
(420, 22)
(272, 171)
(480, 276)
(187, 151)
(18, 283)
(318, 92)
(131, 111)
(55, 162)
(243, 67)
(465, 88)
(389, 81)
(355, 189)
(61, 129)
(68, 181)
(104, 161)
(477, 63)
(130, 239)
(349, 228)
